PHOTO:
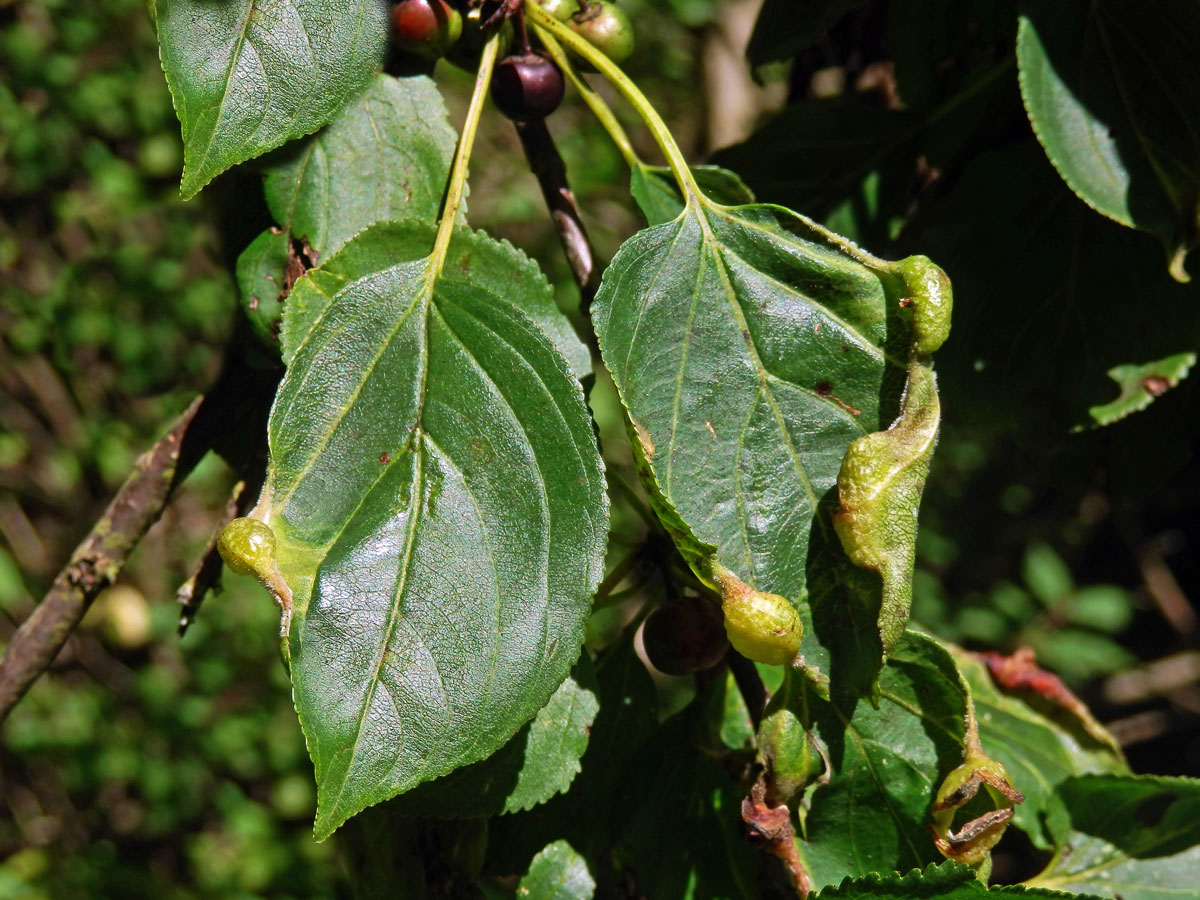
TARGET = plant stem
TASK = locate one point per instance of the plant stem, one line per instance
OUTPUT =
(462, 156)
(594, 101)
(547, 166)
(546, 25)
(97, 561)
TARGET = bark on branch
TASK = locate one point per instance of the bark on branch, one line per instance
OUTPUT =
(547, 166)
(97, 561)
(230, 419)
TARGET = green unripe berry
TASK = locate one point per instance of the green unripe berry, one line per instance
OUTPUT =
(560, 9)
(606, 27)
(248, 548)
(763, 627)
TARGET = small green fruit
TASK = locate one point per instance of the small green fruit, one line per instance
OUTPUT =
(606, 27)
(560, 9)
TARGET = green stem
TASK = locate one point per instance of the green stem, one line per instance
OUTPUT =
(595, 102)
(462, 156)
(545, 24)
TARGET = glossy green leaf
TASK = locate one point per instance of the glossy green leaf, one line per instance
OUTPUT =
(1134, 837)
(385, 157)
(541, 760)
(439, 503)
(1040, 753)
(557, 873)
(472, 256)
(1110, 88)
(247, 75)
(1140, 385)
(657, 195)
(262, 282)
(948, 881)
(887, 762)
(750, 349)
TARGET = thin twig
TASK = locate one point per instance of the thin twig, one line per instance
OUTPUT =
(241, 395)
(750, 685)
(547, 166)
(97, 560)
(770, 829)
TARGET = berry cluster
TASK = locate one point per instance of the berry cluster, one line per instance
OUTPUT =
(526, 84)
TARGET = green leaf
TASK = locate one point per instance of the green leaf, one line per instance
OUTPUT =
(262, 282)
(248, 75)
(750, 349)
(557, 873)
(657, 195)
(475, 257)
(1140, 385)
(887, 763)
(541, 760)
(1135, 837)
(1110, 88)
(438, 499)
(1105, 607)
(1039, 753)
(948, 881)
(385, 157)
(625, 722)
(1047, 575)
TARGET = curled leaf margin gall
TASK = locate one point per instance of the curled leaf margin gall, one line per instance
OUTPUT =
(883, 473)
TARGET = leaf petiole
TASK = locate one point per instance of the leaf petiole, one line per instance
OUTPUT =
(601, 110)
(462, 156)
(546, 25)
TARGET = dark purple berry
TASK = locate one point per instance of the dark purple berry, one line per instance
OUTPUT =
(527, 86)
(685, 636)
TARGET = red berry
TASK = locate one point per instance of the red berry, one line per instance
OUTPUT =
(425, 27)
(527, 86)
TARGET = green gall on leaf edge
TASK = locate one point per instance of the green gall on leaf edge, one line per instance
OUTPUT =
(762, 627)
(248, 547)
(883, 473)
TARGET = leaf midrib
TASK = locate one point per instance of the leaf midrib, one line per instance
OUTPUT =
(416, 504)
